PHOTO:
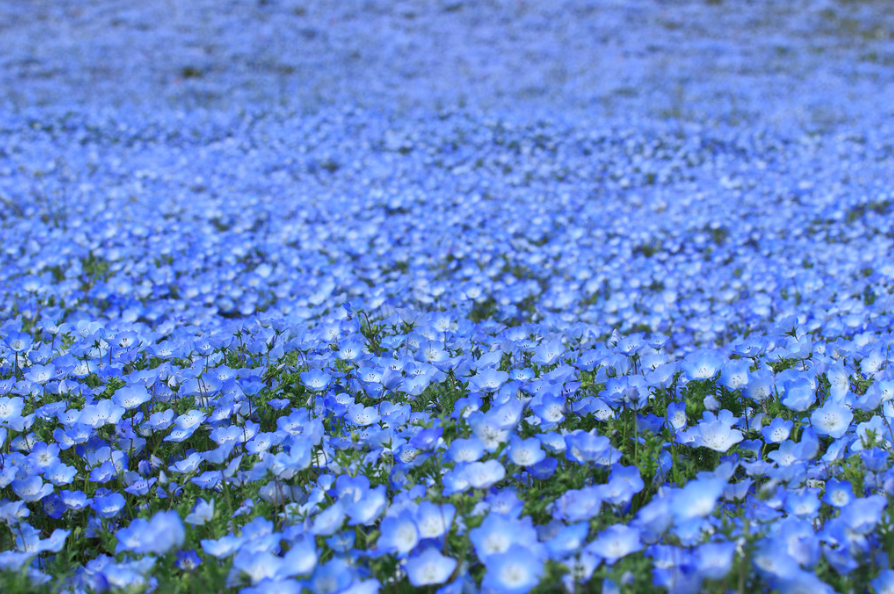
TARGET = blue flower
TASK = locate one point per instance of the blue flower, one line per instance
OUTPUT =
(315, 380)
(187, 560)
(567, 540)
(484, 475)
(156, 536)
(329, 578)
(777, 431)
(202, 512)
(497, 533)
(615, 542)
(551, 409)
(697, 498)
(429, 568)
(548, 353)
(399, 536)
(884, 582)
(515, 571)
(735, 374)
(862, 514)
(31, 489)
(465, 450)
(623, 483)
(832, 419)
(715, 433)
(525, 452)
(488, 380)
(108, 506)
(131, 397)
(838, 493)
(368, 508)
(433, 520)
(702, 364)
(799, 394)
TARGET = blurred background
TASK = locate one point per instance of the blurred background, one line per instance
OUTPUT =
(800, 62)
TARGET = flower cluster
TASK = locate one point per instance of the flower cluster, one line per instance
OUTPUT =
(356, 349)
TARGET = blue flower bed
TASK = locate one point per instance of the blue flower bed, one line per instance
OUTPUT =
(570, 337)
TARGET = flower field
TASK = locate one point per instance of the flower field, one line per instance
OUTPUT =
(452, 296)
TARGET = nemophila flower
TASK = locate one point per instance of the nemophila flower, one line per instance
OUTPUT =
(715, 433)
(623, 483)
(807, 448)
(868, 401)
(42, 456)
(702, 365)
(429, 568)
(187, 560)
(504, 501)
(10, 408)
(156, 536)
(368, 508)
(615, 542)
(697, 498)
(525, 452)
(399, 536)
(315, 380)
(884, 582)
(427, 438)
(222, 547)
(870, 433)
(103, 473)
(799, 394)
(676, 415)
(31, 489)
(551, 408)
(109, 505)
(862, 514)
(802, 503)
(465, 450)
(202, 512)
(544, 469)
(362, 415)
(874, 459)
(13, 511)
(329, 521)
(28, 539)
(548, 353)
(104, 412)
(760, 385)
(18, 342)
(575, 505)
(563, 540)
(40, 374)
(131, 397)
(507, 415)
(258, 565)
(331, 577)
(465, 406)
(777, 431)
(497, 533)
(433, 520)
(486, 429)
(488, 380)
(583, 447)
(654, 518)
(484, 475)
(515, 571)
(838, 493)
(75, 500)
(735, 373)
(801, 582)
(832, 419)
